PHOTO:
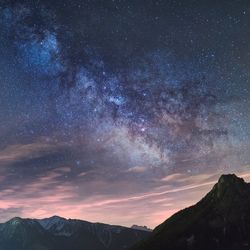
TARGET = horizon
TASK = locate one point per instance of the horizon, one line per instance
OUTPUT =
(208, 184)
(120, 112)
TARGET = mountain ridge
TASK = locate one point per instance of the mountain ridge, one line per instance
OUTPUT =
(218, 221)
(58, 233)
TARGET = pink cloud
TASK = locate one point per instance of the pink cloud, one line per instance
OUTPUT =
(47, 196)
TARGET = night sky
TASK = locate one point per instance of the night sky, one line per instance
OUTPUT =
(120, 111)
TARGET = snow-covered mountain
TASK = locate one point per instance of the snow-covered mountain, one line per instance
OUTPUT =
(143, 228)
(56, 233)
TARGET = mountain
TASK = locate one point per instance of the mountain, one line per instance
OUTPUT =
(58, 233)
(143, 228)
(220, 221)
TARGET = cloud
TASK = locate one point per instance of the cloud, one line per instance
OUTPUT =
(137, 169)
(10, 212)
(21, 152)
(94, 199)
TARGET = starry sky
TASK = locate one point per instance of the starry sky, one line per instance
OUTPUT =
(120, 111)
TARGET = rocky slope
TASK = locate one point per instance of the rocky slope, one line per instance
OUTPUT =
(221, 220)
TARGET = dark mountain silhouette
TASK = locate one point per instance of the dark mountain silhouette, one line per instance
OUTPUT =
(220, 221)
(57, 233)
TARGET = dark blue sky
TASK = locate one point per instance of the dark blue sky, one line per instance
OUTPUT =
(134, 107)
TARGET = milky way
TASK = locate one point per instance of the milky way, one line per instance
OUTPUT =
(133, 107)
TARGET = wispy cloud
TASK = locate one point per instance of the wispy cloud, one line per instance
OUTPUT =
(50, 195)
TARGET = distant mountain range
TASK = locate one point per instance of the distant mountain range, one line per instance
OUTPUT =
(144, 228)
(57, 233)
(220, 221)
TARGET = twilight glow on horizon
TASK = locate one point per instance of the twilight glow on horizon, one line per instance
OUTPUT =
(120, 111)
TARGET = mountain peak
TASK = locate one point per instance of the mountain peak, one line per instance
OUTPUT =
(219, 221)
(143, 228)
(50, 222)
(230, 178)
(231, 185)
(15, 221)
(57, 218)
